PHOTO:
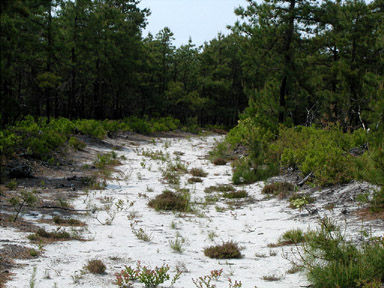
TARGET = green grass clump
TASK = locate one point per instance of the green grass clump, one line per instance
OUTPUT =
(198, 172)
(228, 250)
(220, 188)
(171, 201)
(43, 234)
(195, 180)
(293, 236)
(107, 159)
(70, 222)
(236, 194)
(219, 161)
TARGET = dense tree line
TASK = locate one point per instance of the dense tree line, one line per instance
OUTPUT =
(294, 61)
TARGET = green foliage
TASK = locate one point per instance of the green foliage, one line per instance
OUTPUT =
(236, 194)
(22, 199)
(332, 261)
(143, 274)
(91, 127)
(171, 201)
(43, 234)
(198, 172)
(228, 250)
(76, 143)
(325, 152)
(299, 201)
(293, 236)
(106, 159)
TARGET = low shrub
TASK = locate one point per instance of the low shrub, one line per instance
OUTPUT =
(227, 250)
(236, 194)
(219, 161)
(195, 180)
(198, 172)
(293, 236)
(96, 266)
(171, 201)
(149, 277)
(280, 189)
(332, 261)
(76, 143)
(220, 188)
(43, 234)
(298, 201)
(91, 127)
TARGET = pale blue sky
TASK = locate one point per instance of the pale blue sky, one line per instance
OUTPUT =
(199, 19)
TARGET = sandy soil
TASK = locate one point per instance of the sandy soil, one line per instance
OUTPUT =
(113, 215)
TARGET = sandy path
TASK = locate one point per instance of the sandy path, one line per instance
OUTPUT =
(124, 203)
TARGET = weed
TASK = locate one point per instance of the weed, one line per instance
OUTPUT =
(198, 172)
(220, 188)
(12, 184)
(43, 234)
(177, 244)
(293, 236)
(227, 250)
(236, 194)
(149, 277)
(171, 201)
(298, 201)
(219, 161)
(33, 252)
(33, 278)
(76, 143)
(195, 180)
(294, 269)
(271, 278)
(280, 189)
(22, 199)
(141, 234)
(96, 266)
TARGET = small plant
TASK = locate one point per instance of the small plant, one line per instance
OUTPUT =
(227, 250)
(299, 201)
(12, 184)
(280, 189)
(271, 278)
(21, 200)
(147, 276)
(171, 201)
(293, 236)
(141, 234)
(236, 194)
(43, 234)
(220, 188)
(33, 252)
(198, 172)
(219, 161)
(177, 244)
(96, 266)
(195, 180)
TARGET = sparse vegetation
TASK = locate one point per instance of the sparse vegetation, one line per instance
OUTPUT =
(280, 189)
(219, 161)
(195, 180)
(235, 194)
(171, 201)
(42, 234)
(227, 250)
(96, 266)
(198, 172)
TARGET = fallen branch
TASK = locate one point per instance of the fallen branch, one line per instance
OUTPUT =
(301, 183)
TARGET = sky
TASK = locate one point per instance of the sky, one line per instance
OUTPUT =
(199, 19)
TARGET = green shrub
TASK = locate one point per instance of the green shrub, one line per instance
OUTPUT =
(220, 188)
(246, 171)
(228, 250)
(236, 194)
(293, 236)
(138, 125)
(332, 261)
(171, 201)
(91, 128)
(198, 172)
(219, 161)
(76, 143)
